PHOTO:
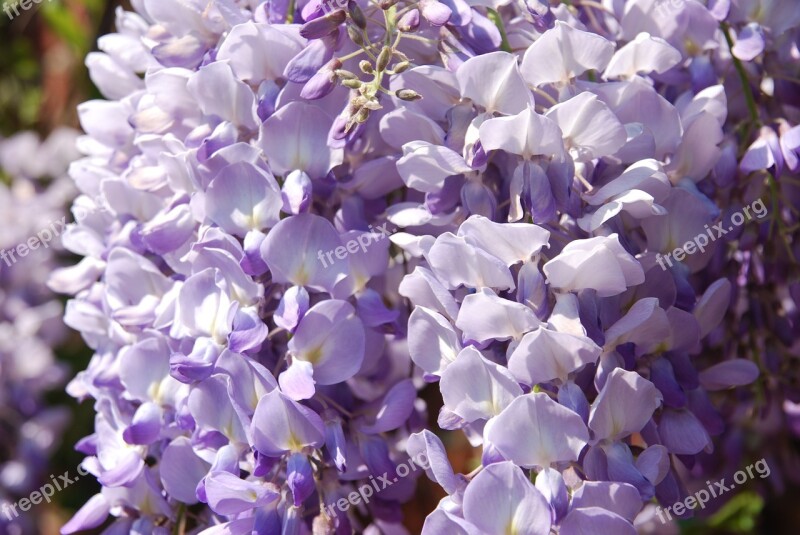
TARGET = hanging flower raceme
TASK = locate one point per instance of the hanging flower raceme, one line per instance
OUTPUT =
(300, 213)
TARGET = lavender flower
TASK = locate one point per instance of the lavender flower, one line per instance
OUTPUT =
(536, 161)
(33, 196)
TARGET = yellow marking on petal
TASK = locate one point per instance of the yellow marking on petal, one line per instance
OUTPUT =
(155, 391)
(314, 355)
(301, 276)
(294, 442)
(691, 47)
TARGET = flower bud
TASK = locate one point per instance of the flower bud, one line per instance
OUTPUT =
(387, 4)
(323, 82)
(352, 83)
(401, 67)
(407, 94)
(409, 22)
(356, 15)
(322, 26)
(435, 12)
(366, 67)
(355, 35)
(383, 59)
(344, 74)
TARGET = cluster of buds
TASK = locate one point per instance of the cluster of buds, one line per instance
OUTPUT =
(365, 99)
(367, 40)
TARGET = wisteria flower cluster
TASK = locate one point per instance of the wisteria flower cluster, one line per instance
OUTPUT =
(34, 194)
(255, 362)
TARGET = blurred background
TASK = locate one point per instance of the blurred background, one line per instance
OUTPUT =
(42, 80)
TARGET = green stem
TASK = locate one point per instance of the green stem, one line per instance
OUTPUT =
(748, 92)
(180, 524)
(494, 16)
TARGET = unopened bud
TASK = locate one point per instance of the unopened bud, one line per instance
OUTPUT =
(355, 35)
(323, 26)
(401, 56)
(345, 75)
(356, 15)
(407, 94)
(352, 83)
(387, 4)
(409, 22)
(365, 66)
(400, 67)
(383, 59)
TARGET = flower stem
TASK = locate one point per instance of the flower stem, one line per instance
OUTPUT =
(494, 16)
(748, 92)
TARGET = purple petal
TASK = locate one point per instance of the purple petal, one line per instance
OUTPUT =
(501, 500)
(218, 92)
(296, 138)
(292, 308)
(296, 193)
(510, 242)
(125, 472)
(595, 521)
(624, 405)
(310, 60)
(544, 355)
(304, 264)
(330, 337)
(334, 439)
(653, 463)
(281, 425)
(181, 470)
(146, 425)
(506, 94)
(91, 515)
(551, 484)
(393, 411)
(249, 331)
(457, 263)
(426, 444)
(242, 198)
(323, 26)
(682, 433)
(749, 42)
(297, 381)
(619, 498)
(229, 495)
(300, 478)
(475, 388)
(552, 57)
(485, 317)
(731, 373)
(432, 341)
(516, 432)
(435, 12)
